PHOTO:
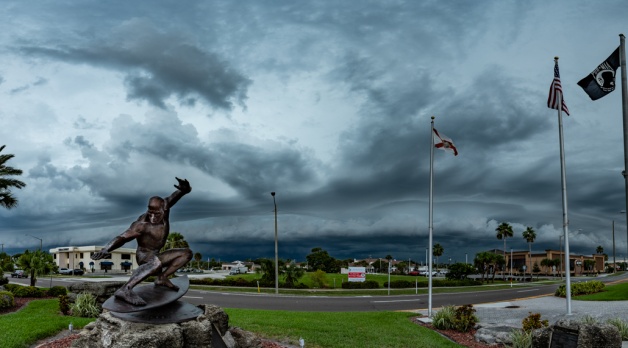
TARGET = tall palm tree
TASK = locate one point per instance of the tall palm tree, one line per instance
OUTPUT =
(529, 235)
(504, 230)
(437, 251)
(36, 263)
(175, 240)
(599, 249)
(198, 257)
(483, 262)
(7, 199)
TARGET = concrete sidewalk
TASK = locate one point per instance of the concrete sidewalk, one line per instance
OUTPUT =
(552, 308)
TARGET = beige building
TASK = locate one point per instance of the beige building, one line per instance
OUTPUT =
(577, 263)
(72, 257)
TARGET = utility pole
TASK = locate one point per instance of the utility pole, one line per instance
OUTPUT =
(276, 248)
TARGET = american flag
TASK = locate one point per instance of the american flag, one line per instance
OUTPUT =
(556, 92)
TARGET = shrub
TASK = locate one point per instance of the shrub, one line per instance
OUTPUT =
(85, 306)
(319, 278)
(621, 325)
(521, 338)
(369, 284)
(400, 284)
(12, 287)
(465, 318)
(6, 299)
(28, 291)
(444, 319)
(57, 291)
(64, 304)
(587, 319)
(533, 322)
(4, 280)
(584, 288)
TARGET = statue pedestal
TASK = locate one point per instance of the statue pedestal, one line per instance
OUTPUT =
(209, 329)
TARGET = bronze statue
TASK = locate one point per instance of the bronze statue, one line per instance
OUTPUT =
(151, 232)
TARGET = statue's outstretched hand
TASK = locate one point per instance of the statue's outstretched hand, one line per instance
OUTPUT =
(184, 185)
(100, 254)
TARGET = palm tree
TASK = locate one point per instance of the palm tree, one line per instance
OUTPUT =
(482, 262)
(293, 273)
(529, 235)
(437, 251)
(175, 240)
(198, 257)
(504, 230)
(599, 249)
(7, 199)
(546, 263)
(36, 263)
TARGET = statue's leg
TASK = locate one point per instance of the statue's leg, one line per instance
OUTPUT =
(142, 272)
(172, 259)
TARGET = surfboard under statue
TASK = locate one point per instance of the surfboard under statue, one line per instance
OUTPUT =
(154, 295)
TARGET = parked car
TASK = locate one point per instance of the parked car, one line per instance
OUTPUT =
(67, 271)
(414, 273)
(18, 273)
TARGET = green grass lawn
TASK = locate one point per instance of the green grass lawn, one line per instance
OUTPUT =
(335, 280)
(334, 284)
(339, 329)
(41, 319)
(38, 320)
(617, 292)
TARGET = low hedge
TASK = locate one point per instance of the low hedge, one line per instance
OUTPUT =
(583, 288)
(369, 284)
(404, 284)
(31, 291)
(245, 283)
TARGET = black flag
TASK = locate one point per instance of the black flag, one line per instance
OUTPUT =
(601, 81)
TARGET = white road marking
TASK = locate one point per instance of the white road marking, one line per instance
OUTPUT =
(396, 301)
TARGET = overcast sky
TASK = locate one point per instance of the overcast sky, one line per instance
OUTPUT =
(328, 103)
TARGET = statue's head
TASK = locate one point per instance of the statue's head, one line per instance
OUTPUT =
(156, 209)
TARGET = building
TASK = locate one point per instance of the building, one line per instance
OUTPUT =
(238, 264)
(72, 257)
(524, 261)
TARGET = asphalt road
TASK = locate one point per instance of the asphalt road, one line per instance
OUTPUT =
(347, 303)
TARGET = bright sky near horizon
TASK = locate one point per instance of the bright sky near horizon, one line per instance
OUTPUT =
(328, 103)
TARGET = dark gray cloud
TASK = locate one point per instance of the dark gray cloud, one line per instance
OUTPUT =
(157, 65)
(374, 71)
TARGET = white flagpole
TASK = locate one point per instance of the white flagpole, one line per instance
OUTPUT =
(624, 107)
(430, 227)
(563, 180)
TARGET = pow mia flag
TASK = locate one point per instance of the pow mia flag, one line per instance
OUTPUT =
(601, 81)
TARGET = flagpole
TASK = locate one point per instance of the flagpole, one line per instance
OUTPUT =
(430, 224)
(624, 108)
(563, 180)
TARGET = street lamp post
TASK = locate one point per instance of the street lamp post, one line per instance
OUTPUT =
(276, 248)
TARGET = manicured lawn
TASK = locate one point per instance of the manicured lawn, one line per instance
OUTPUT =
(38, 320)
(339, 329)
(41, 319)
(617, 292)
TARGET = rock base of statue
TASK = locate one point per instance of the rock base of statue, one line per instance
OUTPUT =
(209, 329)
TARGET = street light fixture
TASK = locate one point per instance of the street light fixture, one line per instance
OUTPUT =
(276, 248)
(40, 241)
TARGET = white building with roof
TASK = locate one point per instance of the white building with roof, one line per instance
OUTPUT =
(72, 257)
